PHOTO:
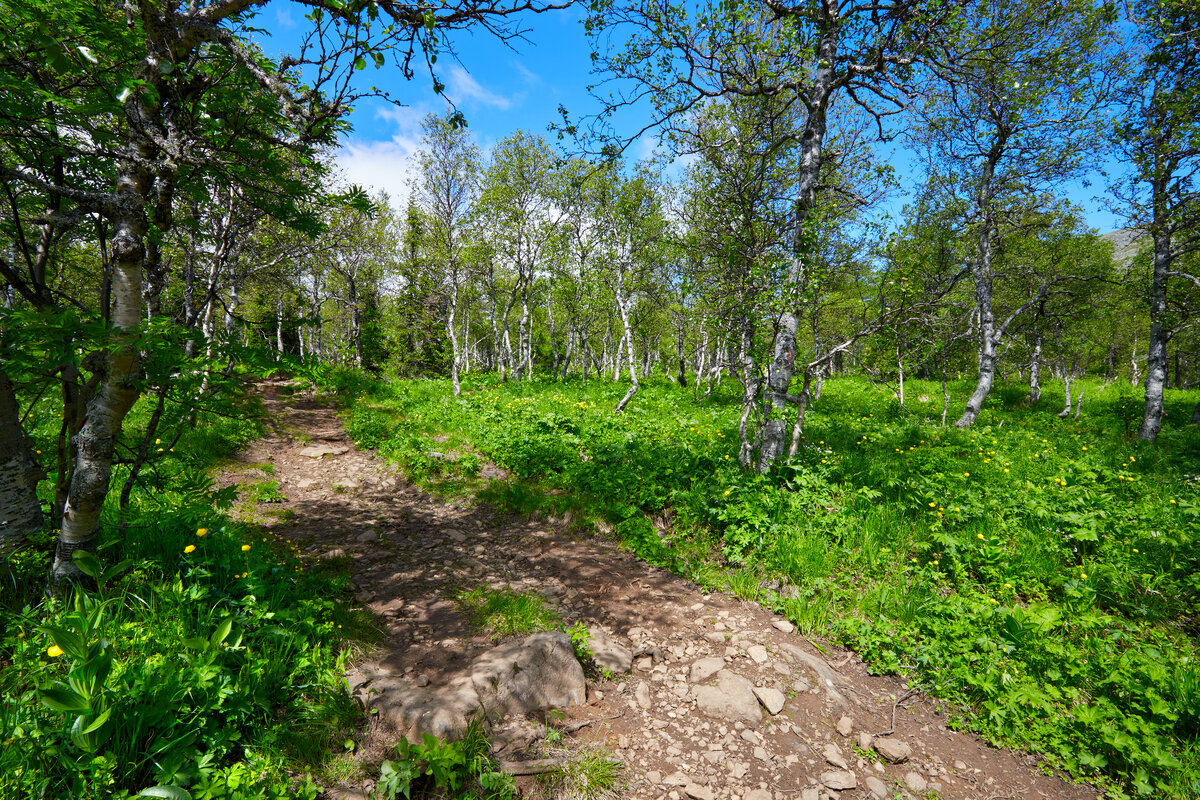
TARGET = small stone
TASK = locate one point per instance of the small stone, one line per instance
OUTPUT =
(715, 638)
(865, 740)
(365, 596)
(833, 755)
(801, 685)
(738, 769)
(698, 792)
(915, 782)
(758, 794)
(761, 753)
(369, 536)
(758, 653)
(839, 780)
(877, 788)
(645, 663)
(893, 750)
(607, 652)
(654, 777)
(705, 668)
(810, 794)
(642, 695)
(845, 726)
(783, 625)
(960, 765)
(772, 699)
(305, 483)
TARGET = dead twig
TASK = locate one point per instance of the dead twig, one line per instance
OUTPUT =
(896, 705)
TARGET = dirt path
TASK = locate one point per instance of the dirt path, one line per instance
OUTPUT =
(409, 552)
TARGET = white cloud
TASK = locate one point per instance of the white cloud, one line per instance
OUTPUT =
(387, 165)
(284, 18)
(465, 90)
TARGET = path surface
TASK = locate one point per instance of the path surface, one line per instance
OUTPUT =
(409, 552)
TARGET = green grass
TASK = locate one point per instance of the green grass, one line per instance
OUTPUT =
(503, 612)
(210, 663)
(1042, 574)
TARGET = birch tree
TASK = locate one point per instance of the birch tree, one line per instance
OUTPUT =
(1014, 108)
(1159, 138)
(448, 187)
(814, 50)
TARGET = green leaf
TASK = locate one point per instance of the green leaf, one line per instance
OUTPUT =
(165, 793)
(87, 562)
(360, 63)
(59, 697)
(221, 632)
(196, 643)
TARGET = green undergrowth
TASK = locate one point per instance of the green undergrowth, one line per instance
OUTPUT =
(206, 664)
(1039, 573)
(503, 612)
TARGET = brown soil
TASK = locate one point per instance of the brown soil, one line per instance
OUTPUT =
(409, 552)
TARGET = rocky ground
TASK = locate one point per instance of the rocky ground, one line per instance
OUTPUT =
(721, 699)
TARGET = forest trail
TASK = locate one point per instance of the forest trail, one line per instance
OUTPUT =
(410, 552)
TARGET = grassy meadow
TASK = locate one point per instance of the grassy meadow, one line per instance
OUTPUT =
(203, 663)
(1041, 575)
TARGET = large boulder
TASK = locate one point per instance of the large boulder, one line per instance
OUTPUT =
(731, 699)
(538, 673)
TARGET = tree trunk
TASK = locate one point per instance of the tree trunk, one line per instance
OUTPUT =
(1156, 356)
(1035, 369)
(981, 272)
(628, 338)
(20, 511)
(95, 443)
(453, 333)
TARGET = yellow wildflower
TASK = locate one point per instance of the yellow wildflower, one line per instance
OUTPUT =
(201, 531)
(54, 651)
(245, 547)
(191, 548)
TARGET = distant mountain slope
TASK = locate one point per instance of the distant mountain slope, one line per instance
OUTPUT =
(1126, 243)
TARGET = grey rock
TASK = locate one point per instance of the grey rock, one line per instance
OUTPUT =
(865, 740)
(731, 699)
(758, 794)
(642, 694)
(705, 668)
(540, 672)
(833, 754)
(698, 792)
(783, 625)
(915, 782)
(845, 726)
(369, 536)
(893, 750)
(877, 788)
(839, 780)
(609, 654)
(758, 653)
(772, 699)
(810, 794)
(319, 450)
(305, 483)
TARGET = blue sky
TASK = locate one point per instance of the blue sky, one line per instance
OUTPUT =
(501, 89)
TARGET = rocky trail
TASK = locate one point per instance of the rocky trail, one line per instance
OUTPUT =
(709, 697)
